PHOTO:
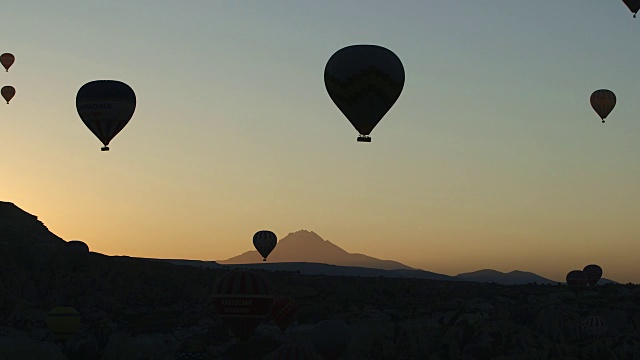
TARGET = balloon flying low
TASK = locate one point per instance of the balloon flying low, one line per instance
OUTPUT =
(594, 273)
(8, 92)
(105, 107)
(63, 322)
(603, 101)
(364, 81)
(7, 60)
(577, 280)
(265, 241)
(242, 299)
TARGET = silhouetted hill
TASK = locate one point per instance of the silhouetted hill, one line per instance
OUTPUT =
(307, 246)
(511, 278)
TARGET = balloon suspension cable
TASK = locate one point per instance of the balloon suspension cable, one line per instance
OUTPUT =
(106, 148)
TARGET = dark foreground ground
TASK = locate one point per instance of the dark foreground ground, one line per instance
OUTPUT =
(136, 309)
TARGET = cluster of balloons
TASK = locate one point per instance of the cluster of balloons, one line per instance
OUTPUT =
(8, 92)
(578, 279)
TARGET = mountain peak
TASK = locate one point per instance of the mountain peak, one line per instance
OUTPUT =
(307, 246)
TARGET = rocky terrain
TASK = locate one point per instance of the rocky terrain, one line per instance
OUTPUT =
(142, 309)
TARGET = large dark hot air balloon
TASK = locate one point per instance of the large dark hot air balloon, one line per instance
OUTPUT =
(63, 322)
(8, 92)
(7, 60)
(364, 81)
(331, 338)
(633, 5)
(283, 312)
(603, 101)
(594, 327)
(594, 273)
(105, 107)
(265, 241)
(242, 299)
(577, 280)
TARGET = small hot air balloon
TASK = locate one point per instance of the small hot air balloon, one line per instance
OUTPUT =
(78, 247)
(63, 322)
(265, 241)
(8, 92)
(105, 107)
(577, 280)
(7, 60)
(594, 273)
(633, 5)
(331, 338)
(293, 352)
(364, 81)
(242, 299)
(603, 101)
(283, 312)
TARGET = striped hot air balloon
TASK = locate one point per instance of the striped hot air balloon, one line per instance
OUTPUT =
(603, 101)
(594, 327)
(594, 273)
(293, 352)
(105, 107)
(7, 60)
(63, 322)
(577, 280)
(242, 299)
(283, 312)
(364, 81)
(265, 241)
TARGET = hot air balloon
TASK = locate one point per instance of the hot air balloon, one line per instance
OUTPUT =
(293, 352)
(105, 107)
(364, 81)
(265, 241)
(577, 280)
(242, 299)
(603, 101)
(63, 322)
(331, 338)
(8, 92)
(594, 273)
(7, 60)
(633, 5)
(77, 246)
(594, 327)
(283, 312)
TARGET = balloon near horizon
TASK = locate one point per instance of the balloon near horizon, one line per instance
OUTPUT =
(265, 241)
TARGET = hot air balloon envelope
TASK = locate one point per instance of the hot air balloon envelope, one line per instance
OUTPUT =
(633, 5)
(7, 60)
(265, 241)
(594, 273)
(8, 92)
(364, 81)
(603, 101)
(577, 280)
(242, 299)
(63, 322)
(283, 312)
(105, 107)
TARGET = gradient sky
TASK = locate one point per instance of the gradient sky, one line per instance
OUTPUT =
(491, 158)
